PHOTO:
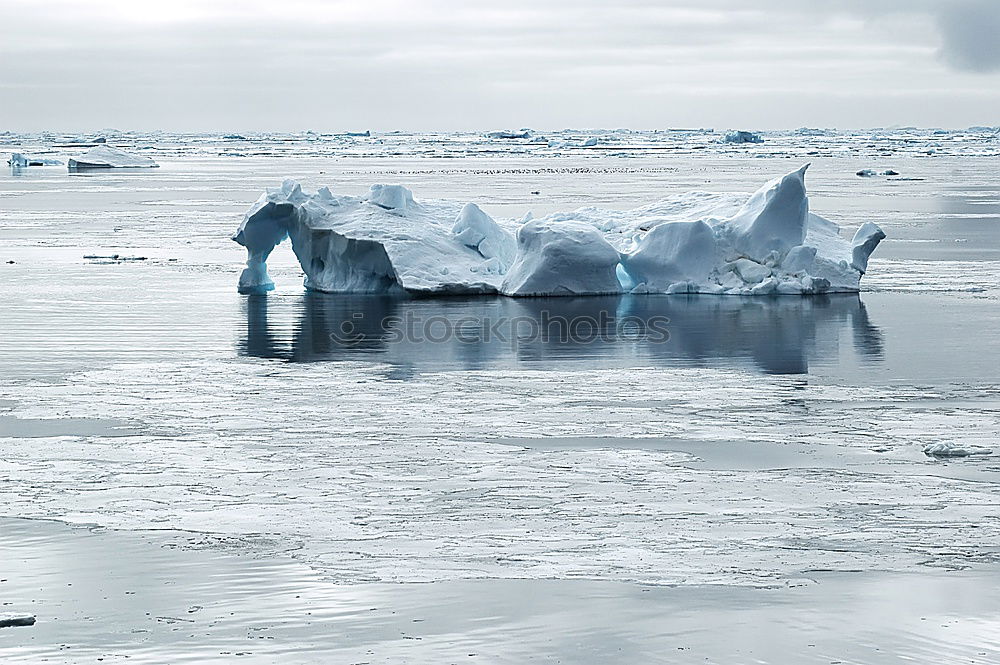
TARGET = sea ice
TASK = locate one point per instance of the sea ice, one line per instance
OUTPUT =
(18, 160)
(699, 242)
(104, 157)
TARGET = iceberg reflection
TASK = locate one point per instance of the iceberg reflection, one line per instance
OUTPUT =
(773, 335)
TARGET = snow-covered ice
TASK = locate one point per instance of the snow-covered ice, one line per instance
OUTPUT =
(390, 241)
(103, 157)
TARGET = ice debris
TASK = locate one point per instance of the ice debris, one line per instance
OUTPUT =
(104, 157)
(388, 241)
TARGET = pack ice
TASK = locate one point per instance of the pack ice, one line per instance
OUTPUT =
(388, 241)
(104, 157)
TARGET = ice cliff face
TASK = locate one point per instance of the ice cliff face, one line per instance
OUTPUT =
(388, 241)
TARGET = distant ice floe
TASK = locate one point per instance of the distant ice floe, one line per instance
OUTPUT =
(949, 449)
(104, 157)
(17, 160)
(741, 136)
(390, 242)
(870, 173)
(10, 619)
(523, 134)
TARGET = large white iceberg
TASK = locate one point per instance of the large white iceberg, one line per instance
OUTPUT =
(105, 157)
(388, 241)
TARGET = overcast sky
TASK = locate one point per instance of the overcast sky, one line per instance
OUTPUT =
(245, 65)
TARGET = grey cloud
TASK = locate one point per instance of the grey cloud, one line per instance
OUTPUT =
(462, 64)
(970, 31)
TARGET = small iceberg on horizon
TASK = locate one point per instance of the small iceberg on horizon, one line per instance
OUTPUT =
(106, 157)
(741, 136)
(388, 241)
(523, 134)
(17, 160)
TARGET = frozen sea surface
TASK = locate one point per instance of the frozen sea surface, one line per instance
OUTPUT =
(162, 596)
(760, 445)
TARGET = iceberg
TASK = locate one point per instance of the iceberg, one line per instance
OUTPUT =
(389, 241)
(523, 134)
(17, 160)
(950, 449)
(740, 136)
(105, 157)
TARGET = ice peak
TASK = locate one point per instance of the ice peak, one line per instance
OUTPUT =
(390, 197)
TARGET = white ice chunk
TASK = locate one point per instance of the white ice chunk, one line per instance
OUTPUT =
(390, 197)
(104, 157)
(772, 220)
(751, 272)
(799, 259)
(671, 253)
(949, 449)
(865, 241)
(562, 259)
(475, 229)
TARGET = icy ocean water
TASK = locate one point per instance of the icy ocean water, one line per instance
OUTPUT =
(312, 478)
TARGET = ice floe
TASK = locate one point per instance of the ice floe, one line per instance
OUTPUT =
(389, 241)
(103, 157)
(949, 449)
